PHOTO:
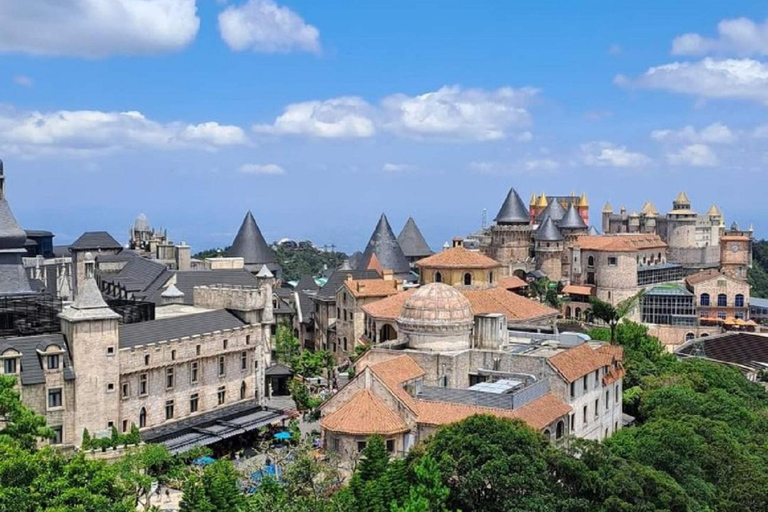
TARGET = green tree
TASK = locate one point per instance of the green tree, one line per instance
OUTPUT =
(20, 423)
(611, 314)
(287, 346)
(194, 498)
(427, 493)
(220, 483)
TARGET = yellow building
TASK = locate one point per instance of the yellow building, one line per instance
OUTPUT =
(459, 267)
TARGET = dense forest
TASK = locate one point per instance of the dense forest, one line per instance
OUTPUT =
(297, 262)
(700, 444)
(758, 274)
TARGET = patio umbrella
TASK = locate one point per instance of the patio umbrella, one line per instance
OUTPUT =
(283, 436)
(203, 461)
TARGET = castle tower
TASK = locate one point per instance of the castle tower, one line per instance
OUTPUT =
(541, 205)
(571, 226)
(13, 278)
(511, 233)
(549, 250)
(387, 250)
(715, 222)
(634, 222)
(736, 252)
(91, 330)
(681, 226)
(583, 208)
(607, 212)
(532, 205)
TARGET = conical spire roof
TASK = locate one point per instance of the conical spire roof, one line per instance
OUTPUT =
(593, 231)
(250, 245)
(572, 219)
(513, 211)
(172, 293)
(554, 211)
(583, 201)
(548, 232)
(384, 245)
(412, 241)
(11, 234)
(607, 208)
(542, 201)
(89, 303)
(714, 211)
(682, 197)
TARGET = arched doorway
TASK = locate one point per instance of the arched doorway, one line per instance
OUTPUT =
(142, 418)
(467, 279)
(243, 390)
(387, 332)
(438, 277)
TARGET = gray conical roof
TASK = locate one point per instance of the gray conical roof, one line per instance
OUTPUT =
(572, 219)
(412, 241)
(554, 211)
(593, 231)
(513, 211)
(11, 234)
(384, 245)
(306, 283)
(548, 232)
(250, 245)
(172, 293)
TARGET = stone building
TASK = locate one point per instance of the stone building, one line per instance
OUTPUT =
(539, 204)
(549, 248)
(736, 252)
(719, 296)
(510, 242)
(458, 266)
(412, 242)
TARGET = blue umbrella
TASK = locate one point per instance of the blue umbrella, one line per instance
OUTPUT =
(203, 461)
(283, 436)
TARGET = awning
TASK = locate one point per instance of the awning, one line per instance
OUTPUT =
(278, 370)
(578, 290)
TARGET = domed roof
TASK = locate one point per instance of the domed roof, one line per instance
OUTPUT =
(141, 224)
(436, 304)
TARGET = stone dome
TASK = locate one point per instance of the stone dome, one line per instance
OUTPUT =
(141, 224)
(436, 317)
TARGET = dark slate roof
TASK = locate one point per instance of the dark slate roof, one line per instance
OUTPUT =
(278, 370)
(572, 219)
(384, 245)
(412, 241)
(142, 333)
(140, 276)
(124, 255)
(37, 233)
(741, 348)
(31, 362)
(336, 280)
(548, 232)
(94, 241)
(513, 211)
(593, 231)
(11, 234)
(61, 251)
(554, 210)
(13, 277)
(250, 245)
(306, 283)
(305, 306)
(188, 279)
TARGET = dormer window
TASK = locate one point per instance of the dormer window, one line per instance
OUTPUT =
(53, 361)
(9, 366)
(10, 361)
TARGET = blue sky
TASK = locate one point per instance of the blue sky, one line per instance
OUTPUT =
(318, 116)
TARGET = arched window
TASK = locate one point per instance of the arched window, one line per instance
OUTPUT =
(438, 277)
(560, 432)
(567, 311)
(142, 418)
(704, 335)
(490, 277)
(547, 433)
(467, 279)
(591, 261)
(739, 301)
(704, 299)
(243, 390)
(722, 300)
(578, 313)
(689, 336)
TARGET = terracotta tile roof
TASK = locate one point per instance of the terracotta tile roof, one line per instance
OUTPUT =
(512, 283)
(397, 371)
(458, 257)
(389, 308)
(581, 360)
(364, 414)
(705, 275)
(498, 300)
(371, 287)
(620, 243)
(579, 289)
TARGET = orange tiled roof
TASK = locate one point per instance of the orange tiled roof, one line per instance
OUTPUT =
(458, 257)
(394, 372)
(389, 308)
(581, 360)
(512, 283)
(579, 289)
(364, 414)
(620, 243)
(704, 275)
(511, 305)
(735, 238)
(371, 287)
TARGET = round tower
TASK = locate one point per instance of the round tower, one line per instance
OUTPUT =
(511, 233)
(549, 250)
(681, 224)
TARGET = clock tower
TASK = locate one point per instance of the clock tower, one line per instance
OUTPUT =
(736, 252)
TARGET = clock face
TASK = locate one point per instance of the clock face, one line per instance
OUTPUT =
(734, 247)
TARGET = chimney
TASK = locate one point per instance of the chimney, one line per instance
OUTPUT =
(348, 277)
(388, 274)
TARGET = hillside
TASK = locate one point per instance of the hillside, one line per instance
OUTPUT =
(758, 275)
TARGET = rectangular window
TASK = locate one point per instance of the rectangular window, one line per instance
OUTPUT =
(110, 351)
(125, 425)
(244, 361)
(169, 409)
(225, 343)
(360, 446)
(197, 350)
(612, 261)
(53, 362)
(168, 378)
(110, 387)
(173, 355)
(193, 402)
(336, 444)
(193, 370)
(616, 393)
(597, 408)
(146, 360)
(391, 445)
(58, 435)
(143, 378)
(125, 390)
(597, 378)
(607, 399)
(585, 383)
(247, 339)
(54, 397)
(573, 389)
(221, 395)
(9, 365)
(222, 366)
(585, 419)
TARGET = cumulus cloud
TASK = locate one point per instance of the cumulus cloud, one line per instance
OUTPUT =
(694, 155)
(716, 133)
(541, 164)
(745, 79)
(97, 28)
(389, 167)
(345, 117)
(607, 154)
(739, 36)
(268, 169)
(265, 27)
(86, 132)
(453, 112)
(23, 80)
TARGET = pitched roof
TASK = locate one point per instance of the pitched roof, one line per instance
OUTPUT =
(374, 264)
(579, 289)
(139, 274)
(250, 245)
(511, 283)
(389, 308)
(336, 281)
(31, 370)
(714, 211)
(513, 210)
(11, 234)
(95, 241)
(593, 231)
(620, 243)
(554, 211)
(364, 414)
(306, 283)
(548, 231)
(371, 287)
(517, 309)
(572, 219)
(412, 241)
(164, 329)
(582, 360)
(682, 197)
(649, 209)
(607, 208)
(705, 275)
(384, 245)
(458, 258)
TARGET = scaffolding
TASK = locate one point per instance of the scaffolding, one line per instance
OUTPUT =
(29, 314)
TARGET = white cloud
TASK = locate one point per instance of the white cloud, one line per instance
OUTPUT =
(97, 28)
(607, 154)
(709, 78)
(268, 169)
(694, 155)
(23, 80)
(86, 132)
(345, 117)
(716, 133)
(265, 27)
(456, 113)
(389, 167)
(739, 36)
(521, 167)
(541, 164)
